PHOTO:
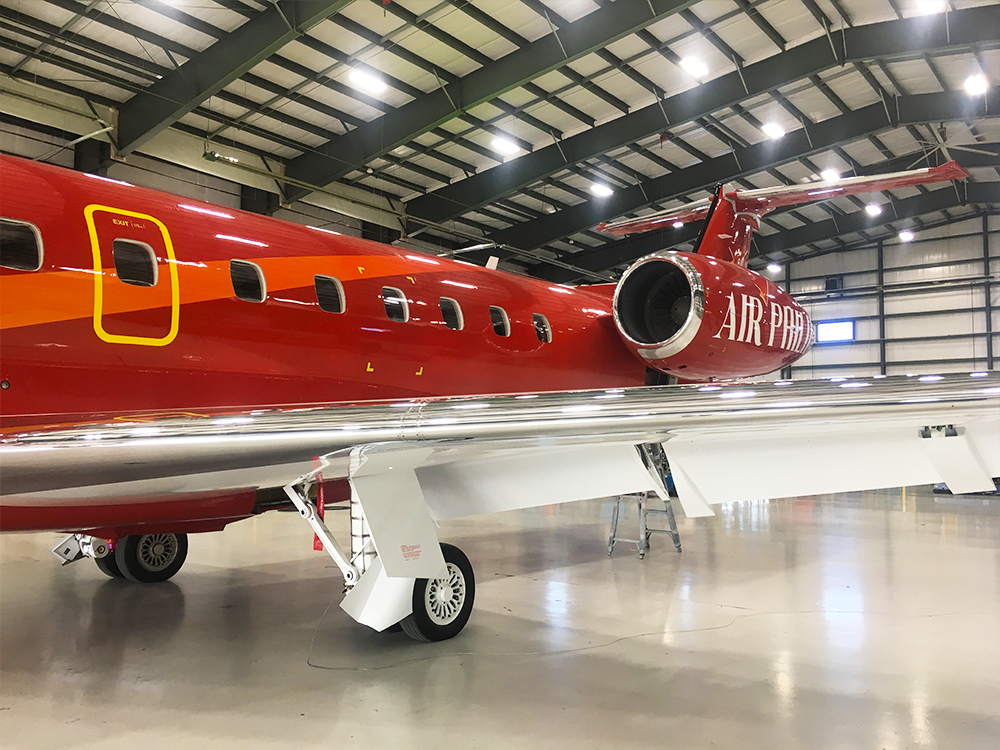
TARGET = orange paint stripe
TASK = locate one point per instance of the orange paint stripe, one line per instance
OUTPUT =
(30, 299)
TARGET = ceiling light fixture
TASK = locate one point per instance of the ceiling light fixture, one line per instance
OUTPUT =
(504, 146)
(873, 209)
(773, 268)
(976, 85)
(830, 175)
(695, 67)
(601, 191)
(773, 130)
(906, 235)
(367, 82)
(929, 7)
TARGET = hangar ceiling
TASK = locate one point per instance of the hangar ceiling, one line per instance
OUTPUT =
(489, 122)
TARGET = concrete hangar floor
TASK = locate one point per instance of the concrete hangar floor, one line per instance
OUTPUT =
(868, 620)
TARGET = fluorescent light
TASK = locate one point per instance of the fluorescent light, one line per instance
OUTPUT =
(695, 67)
(678, 224)
(838, 330)
(873, 209)
(928, 7)
(774, 268)
(773, 130)
(830, 175)
(601, 191)
(906, 235)
(504, 146)
(976, 85)
(367, 82)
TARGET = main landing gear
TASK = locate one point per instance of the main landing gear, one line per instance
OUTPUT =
(140, 558)
(379, 593)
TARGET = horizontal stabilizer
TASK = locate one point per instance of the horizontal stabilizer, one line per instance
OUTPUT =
(763, 200)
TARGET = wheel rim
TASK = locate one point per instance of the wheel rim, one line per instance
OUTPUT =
(445, 597)
(156, 551)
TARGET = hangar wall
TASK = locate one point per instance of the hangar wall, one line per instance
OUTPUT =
(929, 305)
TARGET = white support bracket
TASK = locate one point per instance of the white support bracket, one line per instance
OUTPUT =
(298, 493)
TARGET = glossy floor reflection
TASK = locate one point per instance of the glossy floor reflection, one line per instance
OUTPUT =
(849, 621)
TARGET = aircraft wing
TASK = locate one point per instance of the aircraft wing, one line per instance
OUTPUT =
(762, 200)
(474, 455)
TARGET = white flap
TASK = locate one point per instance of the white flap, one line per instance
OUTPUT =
(958, 462)
(528, 478)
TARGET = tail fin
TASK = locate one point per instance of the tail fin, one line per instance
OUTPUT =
(729, 227)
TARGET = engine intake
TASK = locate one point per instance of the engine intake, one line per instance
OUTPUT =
(659, 304)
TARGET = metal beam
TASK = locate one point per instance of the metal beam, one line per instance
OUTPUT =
(889, 39)
(592, 32)
(741, 162)
(176, 94)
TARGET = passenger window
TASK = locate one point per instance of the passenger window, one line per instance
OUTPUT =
(248, 280)
(135, 262)
(20, 245)
(396, 306)
(451, 313)
(501, 323)
(542, 328)
(330, 294)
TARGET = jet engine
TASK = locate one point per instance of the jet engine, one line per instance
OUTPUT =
(700, 318)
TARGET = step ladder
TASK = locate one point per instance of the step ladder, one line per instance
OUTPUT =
(642, 543)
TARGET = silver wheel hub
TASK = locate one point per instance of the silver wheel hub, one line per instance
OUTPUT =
(445, 597)
(156, 551)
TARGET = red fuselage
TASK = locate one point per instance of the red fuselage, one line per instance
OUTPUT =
(78, 343)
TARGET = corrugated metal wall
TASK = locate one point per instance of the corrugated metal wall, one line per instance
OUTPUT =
(918, 306)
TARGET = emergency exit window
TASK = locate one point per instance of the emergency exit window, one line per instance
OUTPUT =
(135, 262)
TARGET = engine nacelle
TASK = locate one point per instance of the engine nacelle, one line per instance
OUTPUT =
(700, 318)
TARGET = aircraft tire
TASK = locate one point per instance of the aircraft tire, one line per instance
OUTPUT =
(150, 558)
(441, 607)
(109, 566)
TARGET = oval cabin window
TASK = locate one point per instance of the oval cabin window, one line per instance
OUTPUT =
(451, 313)
(248, 281)
(396, 306)
(542, 328)
(330, 294)
(20, 245)
(501, 323)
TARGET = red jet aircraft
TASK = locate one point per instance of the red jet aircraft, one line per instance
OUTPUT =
(169, 366)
